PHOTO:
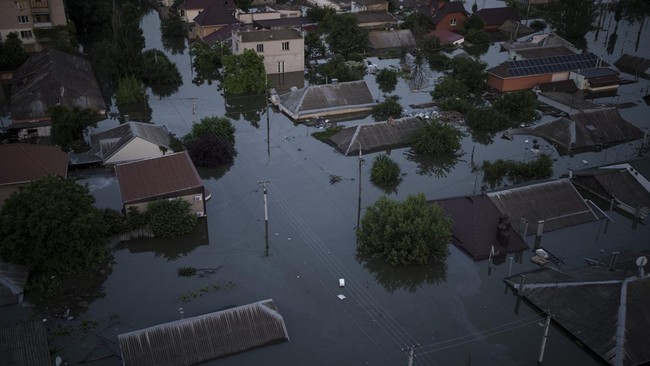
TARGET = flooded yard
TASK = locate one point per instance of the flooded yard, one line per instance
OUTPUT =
(458, 314)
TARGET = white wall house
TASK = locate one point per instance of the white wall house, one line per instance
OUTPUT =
(283, 49)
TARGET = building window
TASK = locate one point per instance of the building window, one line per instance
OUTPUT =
(22, 19)
(260, 47)
(181, 12)
(20, 4)
(26, 34)
(285, 46)
(280, 67)
(453, 22)
(41, 18)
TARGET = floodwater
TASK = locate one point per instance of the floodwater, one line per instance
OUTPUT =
(461, 314)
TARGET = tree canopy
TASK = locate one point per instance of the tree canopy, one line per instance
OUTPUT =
(389, 108)
(436, 138)
(572, 19)
(69, 125)
(386, 79)
(471, 73)
(519, 106)
(52, 226)
(516, 171)
(487, 119)
(211, 142)
(244, 73)
(385, 173)
(207, 60)
(448, 86)
(12, 53)
(345, 36)
(170, 218)
(407, 232)
(339, 68)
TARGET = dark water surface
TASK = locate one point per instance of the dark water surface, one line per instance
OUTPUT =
(459, 315)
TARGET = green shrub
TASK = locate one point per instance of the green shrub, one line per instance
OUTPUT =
(385, 173)
(171, 218)
(130, 91)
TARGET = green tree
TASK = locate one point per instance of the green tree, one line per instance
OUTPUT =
(473, 22)
(487, 119)
(314, 46)
(208, 59)
(538, 25)
(321, 15)
(408, 232)
(389, 108)
(52, 227)
(12, 53)
(572, 19)
(519, 106)
(130, 91)
(128, 42)
(174, 32)
(479, 40)
(69, 125)
(345, 35)
(516, 172)
(385, 173)
(60, 37)
(436, 138)
(244, 73)
(419, 23)
(160, 73)
(449, 87)
(471, 73)
(386, 79)
(342, 70)
(220, 126)
(456, 104)
(439, 61)
(170, 218)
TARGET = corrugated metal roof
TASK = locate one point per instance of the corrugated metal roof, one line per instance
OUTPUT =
(377, 136)
(50, 78)
(593, 302)
(20, 163)
(556, 202)
(634, 65)
(205, 337)
(24, 345)
(391, 39)
(157, 177)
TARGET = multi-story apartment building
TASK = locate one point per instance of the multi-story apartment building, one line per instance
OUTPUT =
(283, 49)
(24, 16)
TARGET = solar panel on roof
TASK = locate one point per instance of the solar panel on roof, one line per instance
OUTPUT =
(543, 65)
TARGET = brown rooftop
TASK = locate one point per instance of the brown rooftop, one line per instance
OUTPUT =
(21, 163)
(269, 35)
(157, 177)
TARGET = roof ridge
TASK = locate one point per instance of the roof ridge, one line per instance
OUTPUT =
(21, 146)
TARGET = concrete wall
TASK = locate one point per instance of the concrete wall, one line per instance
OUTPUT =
(197, 206)
(137, 149)
(520, 83)
(276, 60)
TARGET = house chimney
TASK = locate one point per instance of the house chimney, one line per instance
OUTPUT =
(335, 82)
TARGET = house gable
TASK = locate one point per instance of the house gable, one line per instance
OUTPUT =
(136, 149)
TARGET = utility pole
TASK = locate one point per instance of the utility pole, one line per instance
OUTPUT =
(268, 128)
(410, 354)
(543, 346)
(361, 161)
(266, 217)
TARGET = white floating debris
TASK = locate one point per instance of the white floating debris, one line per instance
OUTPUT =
(341, 282)
(58, 361)
(297, 276)
(276, 234)
(44, 320)
(585, 162)
(288, 238)
(340, 296)
(526, 141)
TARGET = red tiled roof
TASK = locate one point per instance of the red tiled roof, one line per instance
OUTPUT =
(476, 221)
(448, 8)
(157, 177)
(21, 163)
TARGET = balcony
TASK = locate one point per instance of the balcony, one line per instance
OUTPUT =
(43, 25)
(39, 4)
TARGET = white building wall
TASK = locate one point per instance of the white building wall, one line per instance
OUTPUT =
(277, 60)
(137, 149)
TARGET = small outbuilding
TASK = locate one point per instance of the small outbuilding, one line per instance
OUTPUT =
(634, 65)
(448, 37)
(391, 134)
(392, 39)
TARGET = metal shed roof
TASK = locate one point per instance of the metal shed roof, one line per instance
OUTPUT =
(24, 344)
(376, 136)
(205, 337)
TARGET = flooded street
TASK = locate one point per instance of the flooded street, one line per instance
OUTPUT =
(458, 315)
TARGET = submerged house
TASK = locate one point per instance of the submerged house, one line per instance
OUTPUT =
(634, 65)
(391, 40)
(604, 305)
(495, 17)
(480, 229)
(325, 100)
(585, 131)
(596, 80)
(376, 136)
(127, 142)
(205, 337)
(21, 164)
(50, 78)
(170, 177)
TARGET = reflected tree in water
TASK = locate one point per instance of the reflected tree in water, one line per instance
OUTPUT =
(409, 278)
(250, 108)
(482, 137)
(171, 248)
(173, 31)
(213, 173)
(436, 166)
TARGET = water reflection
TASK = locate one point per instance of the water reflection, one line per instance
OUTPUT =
(438, 166)
(171, 248)
(216, 173)
(248, 107)
(140, 112)
(482, 137)
(408, 278)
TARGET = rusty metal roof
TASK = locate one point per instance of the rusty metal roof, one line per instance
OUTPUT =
(157, 177)
(24, 345)
(205, 337)
(22, 163)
